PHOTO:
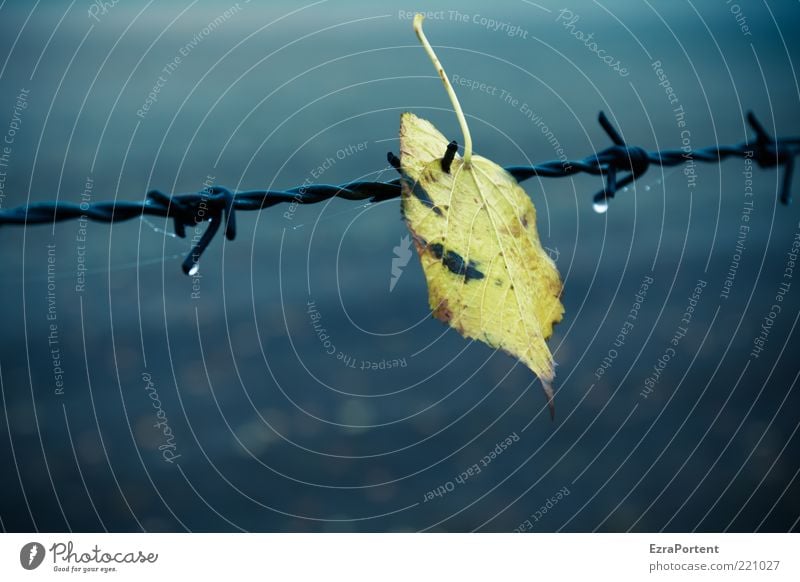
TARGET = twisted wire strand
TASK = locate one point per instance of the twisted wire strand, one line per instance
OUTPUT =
(218, 204)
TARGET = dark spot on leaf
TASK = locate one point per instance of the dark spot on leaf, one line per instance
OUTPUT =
(455, 263)
(498, 282)
(524, 221)
(443, 312)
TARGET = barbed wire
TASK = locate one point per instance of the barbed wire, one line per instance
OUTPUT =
(217, 204)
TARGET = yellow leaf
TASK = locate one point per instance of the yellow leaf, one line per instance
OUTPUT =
(474, 229)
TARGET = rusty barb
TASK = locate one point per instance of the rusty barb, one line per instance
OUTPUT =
(619, 165)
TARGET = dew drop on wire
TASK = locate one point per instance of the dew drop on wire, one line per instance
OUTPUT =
(600, 206)
(194, 269)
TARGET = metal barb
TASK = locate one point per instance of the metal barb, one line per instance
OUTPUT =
(618, 158)
(394, 161)
(769, 152)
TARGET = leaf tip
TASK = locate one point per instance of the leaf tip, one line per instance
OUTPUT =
(549, 395)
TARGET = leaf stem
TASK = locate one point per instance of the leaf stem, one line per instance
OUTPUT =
(448, 87)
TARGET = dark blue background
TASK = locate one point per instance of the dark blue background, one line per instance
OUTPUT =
(276, 435)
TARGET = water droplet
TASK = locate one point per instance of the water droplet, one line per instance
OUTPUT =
(625, 189)
(194, 270)
(600, 206)
(647, 188)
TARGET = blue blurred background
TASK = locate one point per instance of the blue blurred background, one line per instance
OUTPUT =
(213, 404)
